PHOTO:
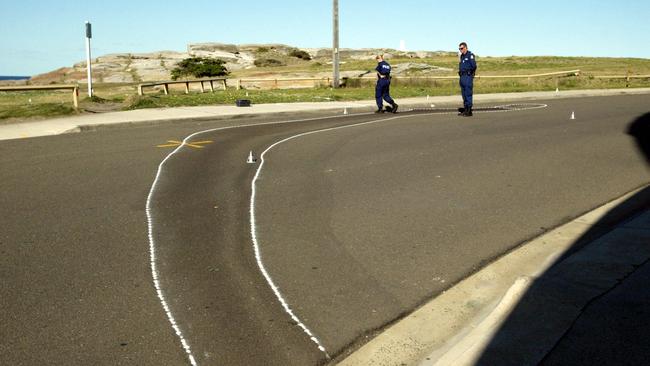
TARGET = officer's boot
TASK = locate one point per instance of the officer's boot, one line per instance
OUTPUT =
(468, 112)
(394, 108)
(380, 110)
(461, 111)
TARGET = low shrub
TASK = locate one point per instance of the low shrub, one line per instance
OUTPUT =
(303, 55)
(264, 62)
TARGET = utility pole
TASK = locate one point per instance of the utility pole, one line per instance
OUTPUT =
(89, 35)
(335, 46)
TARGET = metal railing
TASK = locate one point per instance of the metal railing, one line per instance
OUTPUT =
(74, 88)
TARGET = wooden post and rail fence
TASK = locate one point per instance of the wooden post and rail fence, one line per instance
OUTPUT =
(276, 82)
(187, 83)
(74, 88)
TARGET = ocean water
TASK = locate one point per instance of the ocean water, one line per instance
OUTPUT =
(13, 77)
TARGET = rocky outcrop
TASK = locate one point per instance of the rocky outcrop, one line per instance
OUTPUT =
(414, 68)
(155, 66)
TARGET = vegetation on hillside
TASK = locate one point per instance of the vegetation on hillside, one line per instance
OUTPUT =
(303, 55)
(39, 104)
(199, 67)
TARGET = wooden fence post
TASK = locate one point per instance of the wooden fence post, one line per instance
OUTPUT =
(627, 79)
(75, 97)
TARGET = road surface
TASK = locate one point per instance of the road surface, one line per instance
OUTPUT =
(357, 220)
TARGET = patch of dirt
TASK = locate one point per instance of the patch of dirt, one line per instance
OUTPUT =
(101, 107)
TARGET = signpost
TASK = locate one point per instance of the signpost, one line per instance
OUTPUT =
(335, 46)
(89, 35)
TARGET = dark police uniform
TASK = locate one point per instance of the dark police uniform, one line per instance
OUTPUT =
(382, 90)
(466, 71)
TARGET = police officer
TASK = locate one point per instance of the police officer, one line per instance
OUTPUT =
(466, 71)
(382, 90)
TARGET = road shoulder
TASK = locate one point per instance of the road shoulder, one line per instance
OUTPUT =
(456, 327)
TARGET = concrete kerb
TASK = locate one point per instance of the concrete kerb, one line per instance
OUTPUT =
(353, 107)
(455, 327)
(216, 113)
(206, 113)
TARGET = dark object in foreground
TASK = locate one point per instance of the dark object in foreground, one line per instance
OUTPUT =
(640, 130)
(243, 103)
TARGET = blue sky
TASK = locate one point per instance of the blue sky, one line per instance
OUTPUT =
(38, 36)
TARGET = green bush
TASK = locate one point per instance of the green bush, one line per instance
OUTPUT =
(300, 54)
(263, 62)
(199, 67)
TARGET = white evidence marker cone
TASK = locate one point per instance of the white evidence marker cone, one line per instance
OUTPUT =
(345, 111)
(573, 115)
(557, 90)
(251, 159)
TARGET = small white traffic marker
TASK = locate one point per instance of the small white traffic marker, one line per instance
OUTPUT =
(573, 115)
(345, 111)
(251, 159)
(557, 91)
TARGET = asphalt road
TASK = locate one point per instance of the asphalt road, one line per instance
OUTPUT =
(356, 225)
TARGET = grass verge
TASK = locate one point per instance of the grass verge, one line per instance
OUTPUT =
(113, 97)
(365, 91)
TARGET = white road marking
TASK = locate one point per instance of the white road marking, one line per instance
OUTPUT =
(154, 269)
(150, 222)
(152, 243)
(258, 255)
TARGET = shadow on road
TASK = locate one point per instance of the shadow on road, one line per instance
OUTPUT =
(579, 311)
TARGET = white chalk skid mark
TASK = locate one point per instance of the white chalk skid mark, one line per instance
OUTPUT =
(253, 220)
(152, 243)
(154, 269)
(155, 274)
(256, 246)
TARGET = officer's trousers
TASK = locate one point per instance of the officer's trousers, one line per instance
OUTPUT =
(467, 90)
(382, 92)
